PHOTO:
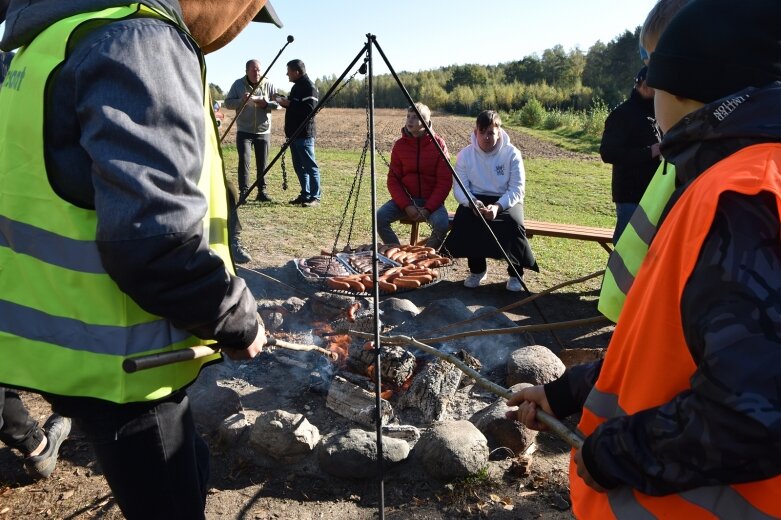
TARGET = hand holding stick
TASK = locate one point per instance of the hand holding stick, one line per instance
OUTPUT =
(131, 365)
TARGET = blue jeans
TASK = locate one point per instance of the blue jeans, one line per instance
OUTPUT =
(390, 212)
(624, 211)
(302, 152)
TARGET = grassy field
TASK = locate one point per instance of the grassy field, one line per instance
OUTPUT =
(558, 190)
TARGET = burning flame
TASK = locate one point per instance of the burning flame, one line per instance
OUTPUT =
(337, 343)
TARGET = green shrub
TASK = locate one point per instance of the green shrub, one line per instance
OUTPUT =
(594, 123)
(553, 120)
(532, 114)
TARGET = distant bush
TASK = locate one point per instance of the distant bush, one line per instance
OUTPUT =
(532, 114)
(553, 120)
(594, 123)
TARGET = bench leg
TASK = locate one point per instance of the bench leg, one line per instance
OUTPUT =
(413, 235)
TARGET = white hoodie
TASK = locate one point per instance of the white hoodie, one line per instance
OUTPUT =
(499, 173)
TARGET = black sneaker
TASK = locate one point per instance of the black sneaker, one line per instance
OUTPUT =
(240, 255)
(57, 429)
(263, 197)
(311, 203)
(298, 200)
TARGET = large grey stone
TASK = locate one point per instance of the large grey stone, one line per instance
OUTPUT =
(452, 450)
(396, 311)
(284, 436)
(535, 365)
(353, 454)
(210, 402)
(506, 438)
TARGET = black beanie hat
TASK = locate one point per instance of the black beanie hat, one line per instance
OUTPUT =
(713, 48)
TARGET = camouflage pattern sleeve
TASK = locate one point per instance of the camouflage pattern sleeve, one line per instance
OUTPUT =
(727, 427)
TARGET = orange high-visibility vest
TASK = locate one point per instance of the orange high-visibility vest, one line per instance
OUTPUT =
(648, 362)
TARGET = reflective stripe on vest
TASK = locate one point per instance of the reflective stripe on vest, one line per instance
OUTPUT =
(65, 326)
(632, 246)
(648, 362)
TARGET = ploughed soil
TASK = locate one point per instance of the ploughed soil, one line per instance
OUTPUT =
(242, 490)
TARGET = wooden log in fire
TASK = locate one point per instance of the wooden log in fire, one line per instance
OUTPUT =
(355, 403)
(545, 418)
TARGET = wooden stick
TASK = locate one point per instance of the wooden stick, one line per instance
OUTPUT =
(522, 328)
(523, 301)
(131, 365)
(556, 426)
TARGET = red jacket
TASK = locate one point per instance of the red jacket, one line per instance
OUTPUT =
(417, 170)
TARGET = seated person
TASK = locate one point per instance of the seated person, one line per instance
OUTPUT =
(491, 169)
(419, 181)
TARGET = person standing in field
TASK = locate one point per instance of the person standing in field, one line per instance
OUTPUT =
(630, 142)
(632, 245)
(253, 127)
(299, 105)
(419, 180)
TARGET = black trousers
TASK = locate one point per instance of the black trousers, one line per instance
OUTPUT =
(469, 239)
(245, 142)
(155, 462)
(17, 429)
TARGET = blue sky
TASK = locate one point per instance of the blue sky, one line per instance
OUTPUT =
(420, 34)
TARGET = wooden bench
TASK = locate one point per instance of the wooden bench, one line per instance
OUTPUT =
(603, 236)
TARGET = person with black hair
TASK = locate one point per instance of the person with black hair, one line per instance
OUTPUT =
(419, 181)
(299, 105)
(630, 142)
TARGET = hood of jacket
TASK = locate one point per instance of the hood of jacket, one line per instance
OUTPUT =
(25, 19)
(504, 142)
(721, 128)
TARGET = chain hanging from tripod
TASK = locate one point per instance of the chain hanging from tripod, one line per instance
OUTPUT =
(355, 189)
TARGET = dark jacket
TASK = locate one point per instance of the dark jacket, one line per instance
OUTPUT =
(131, 147)
(5, 62)
(725, 428)
(626, 144)
(418, 171)
(303, 100)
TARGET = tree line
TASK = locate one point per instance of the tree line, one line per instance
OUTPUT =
(558, 80)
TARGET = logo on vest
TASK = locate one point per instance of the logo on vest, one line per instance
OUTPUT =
(14, 79)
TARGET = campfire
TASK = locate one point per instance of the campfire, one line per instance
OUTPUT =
(428, 398)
